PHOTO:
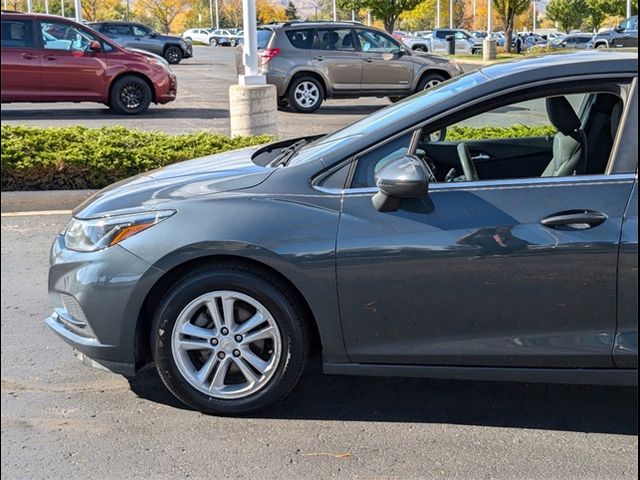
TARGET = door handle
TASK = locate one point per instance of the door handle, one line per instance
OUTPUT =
(481, 156)
(28, 56)
(319, 58)
(50, 57)
(367, 59)
(574, 220)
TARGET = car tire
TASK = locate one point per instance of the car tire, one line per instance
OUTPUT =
(305, 94)
(213, 42)
(429, 80)
(233, 43)
(255, 291)
(173, 55)
(601, 46)
(130, 95)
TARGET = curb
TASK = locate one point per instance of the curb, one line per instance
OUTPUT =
(43, 200)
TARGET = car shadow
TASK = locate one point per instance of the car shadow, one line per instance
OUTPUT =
(576, 408)
(105, 113)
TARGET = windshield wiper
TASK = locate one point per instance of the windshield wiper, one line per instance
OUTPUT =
(287, 154)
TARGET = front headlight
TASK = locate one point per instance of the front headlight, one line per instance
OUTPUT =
(160, 62)
(98, 233)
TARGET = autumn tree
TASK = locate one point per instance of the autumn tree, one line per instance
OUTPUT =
(231, 11)
(96, 10)
(388, 10)
(422, 17)
(268, 11)
(163, 14)
(568, 13)
(507, 11)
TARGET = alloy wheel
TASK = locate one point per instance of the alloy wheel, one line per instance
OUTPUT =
(307, 94)
(132, 95)
(226, 344)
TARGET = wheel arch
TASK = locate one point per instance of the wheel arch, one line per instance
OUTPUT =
(446, 75)
(142, 338)
(173, 44)
(311, 73)
(135, 74)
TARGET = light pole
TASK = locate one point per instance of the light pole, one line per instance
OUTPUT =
(46, 7)
(335, 11)
(628, 8)
(450, 13)
(217, 16)
(128, 9)
(533, 2)
(29, 6)
(369, 17)
(78, 5)
(211, 13)
(489, 17)
(438, 14)
(62, 8)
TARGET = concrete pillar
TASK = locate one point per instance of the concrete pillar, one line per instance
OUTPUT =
(489, 49)
(253, 110)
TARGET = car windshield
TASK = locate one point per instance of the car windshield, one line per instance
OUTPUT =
(415, 107)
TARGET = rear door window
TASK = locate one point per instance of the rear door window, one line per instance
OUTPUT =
(264, 37)
(302, 39)
(17, 34)
(334, 39)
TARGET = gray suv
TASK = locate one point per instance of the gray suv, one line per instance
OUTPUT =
(624, 35)
(309, 62)
(135, 35)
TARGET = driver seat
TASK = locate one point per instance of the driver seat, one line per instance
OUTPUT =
(569, 144)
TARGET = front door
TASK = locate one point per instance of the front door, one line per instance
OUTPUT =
(385, 67)
(70, 70)
(20, 62)
(496, 272)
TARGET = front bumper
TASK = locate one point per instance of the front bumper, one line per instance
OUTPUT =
(97, 299)
(188, 51)
(168, 90)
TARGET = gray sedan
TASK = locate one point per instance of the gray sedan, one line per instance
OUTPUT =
(415, 242)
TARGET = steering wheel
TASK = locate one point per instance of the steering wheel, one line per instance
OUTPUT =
(468, 166)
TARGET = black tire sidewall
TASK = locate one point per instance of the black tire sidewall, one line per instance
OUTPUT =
(116, 103)
(294, 343)
(291, 94)
(213, 42)
(167, 56)
(427, 78)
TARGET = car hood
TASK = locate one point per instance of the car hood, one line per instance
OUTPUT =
(193, 178)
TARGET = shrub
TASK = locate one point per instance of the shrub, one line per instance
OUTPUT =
(78, 157)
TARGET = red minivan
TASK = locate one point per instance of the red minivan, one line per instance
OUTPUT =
(46, 58)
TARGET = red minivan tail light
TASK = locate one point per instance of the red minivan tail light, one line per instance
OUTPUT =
(268, 54)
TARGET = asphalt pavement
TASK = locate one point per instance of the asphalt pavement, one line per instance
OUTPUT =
(61, 419)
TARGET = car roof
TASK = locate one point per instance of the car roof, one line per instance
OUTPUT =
(567, 64)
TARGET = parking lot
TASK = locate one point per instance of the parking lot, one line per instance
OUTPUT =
(202, 104)
(61, 419)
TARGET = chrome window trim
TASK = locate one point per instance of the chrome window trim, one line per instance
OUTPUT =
(509, 183)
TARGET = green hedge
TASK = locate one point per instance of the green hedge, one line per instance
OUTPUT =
(460, 133)
(77, 157)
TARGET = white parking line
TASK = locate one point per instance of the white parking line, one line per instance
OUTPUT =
(36, 213)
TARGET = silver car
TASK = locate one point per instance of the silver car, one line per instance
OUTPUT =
(309, 62)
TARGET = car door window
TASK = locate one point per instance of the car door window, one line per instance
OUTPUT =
(139, 31)
(461, 36)
(334, 39)
(302, 39)
(65, 36)
(374, 42)
(17, 34)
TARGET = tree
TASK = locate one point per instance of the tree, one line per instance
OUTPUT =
(568, 13)
(423, 17)
(291, 11)
(597, 10)
(231, 11)
(386, 10)
(161, 13)
(96, 10)
(507, 11)
(267, 11)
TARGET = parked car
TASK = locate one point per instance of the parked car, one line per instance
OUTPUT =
(573, 41)
(624, 35)
(415, 42)
(136, 35)
(201, 35)
(46, 58)
(387, 248)
(466, 43)
(311, 61)
(224, 37)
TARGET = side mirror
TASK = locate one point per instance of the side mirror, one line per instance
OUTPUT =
(153, 35)
(404, 177)
(398, 52)
(619, 29)
(95, 46)
(438, 136)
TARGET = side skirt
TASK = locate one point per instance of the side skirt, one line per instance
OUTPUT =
(621, 377)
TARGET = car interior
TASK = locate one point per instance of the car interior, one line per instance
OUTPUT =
(578, 140)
